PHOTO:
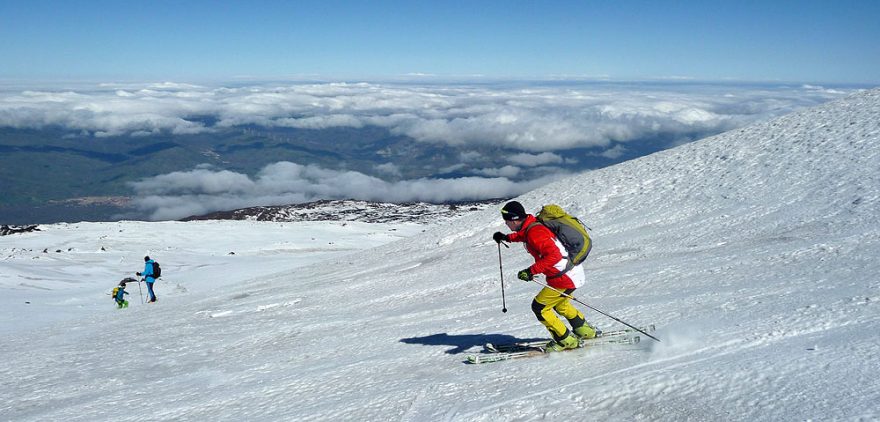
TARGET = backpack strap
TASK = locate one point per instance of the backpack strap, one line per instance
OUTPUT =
(529, 227)
(568, 267)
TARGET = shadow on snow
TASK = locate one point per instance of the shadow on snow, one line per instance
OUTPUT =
(462, 342)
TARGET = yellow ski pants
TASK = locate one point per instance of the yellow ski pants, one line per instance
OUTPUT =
(548, 303)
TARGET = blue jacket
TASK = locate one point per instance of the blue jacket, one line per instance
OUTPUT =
(148, 271)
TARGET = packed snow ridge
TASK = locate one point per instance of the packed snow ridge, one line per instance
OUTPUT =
(754, 252)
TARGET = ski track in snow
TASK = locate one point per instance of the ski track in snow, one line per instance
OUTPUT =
(754, 252)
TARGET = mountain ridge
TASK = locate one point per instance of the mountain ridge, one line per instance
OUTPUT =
(352, 210)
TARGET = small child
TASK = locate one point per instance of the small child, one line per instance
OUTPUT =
(119, 294)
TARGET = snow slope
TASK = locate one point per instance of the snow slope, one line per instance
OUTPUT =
(66, 269)
(754, 252)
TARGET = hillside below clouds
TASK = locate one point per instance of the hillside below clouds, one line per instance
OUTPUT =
(754, 252)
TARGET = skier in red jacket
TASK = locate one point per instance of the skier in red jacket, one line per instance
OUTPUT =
(550, 260)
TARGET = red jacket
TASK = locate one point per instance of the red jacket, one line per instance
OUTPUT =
(542, 244)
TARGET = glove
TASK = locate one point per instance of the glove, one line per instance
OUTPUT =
(498, 237)
(137, 274)
(525, 275)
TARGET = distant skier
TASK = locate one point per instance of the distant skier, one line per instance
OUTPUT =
(119, 293)
(149, 276)
(550, 260)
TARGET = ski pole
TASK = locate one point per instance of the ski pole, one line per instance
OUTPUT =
(141, 291)
(603, 313)
(500, 270)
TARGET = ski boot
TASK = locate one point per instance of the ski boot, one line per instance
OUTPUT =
(586, 332)
(569, 341)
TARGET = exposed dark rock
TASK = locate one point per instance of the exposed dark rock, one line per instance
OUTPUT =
(7, 230)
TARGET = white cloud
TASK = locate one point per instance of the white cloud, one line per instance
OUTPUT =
(531, 160)
(198, 181)
(506, 171)
(202, 190)
(535, 118)
(451, 169)
(388, 168)
(321, 122)
(470, 156)
(614, 152)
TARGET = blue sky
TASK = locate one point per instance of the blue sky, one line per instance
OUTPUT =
(789, 41)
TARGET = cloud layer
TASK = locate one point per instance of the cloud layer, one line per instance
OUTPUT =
(531, 118)
(204, 189)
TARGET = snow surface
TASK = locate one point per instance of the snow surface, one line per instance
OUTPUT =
(754, 252)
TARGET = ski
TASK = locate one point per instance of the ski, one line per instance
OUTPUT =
(534, 351)
(530, 345)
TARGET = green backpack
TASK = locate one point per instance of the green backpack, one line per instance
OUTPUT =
(570, 232)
